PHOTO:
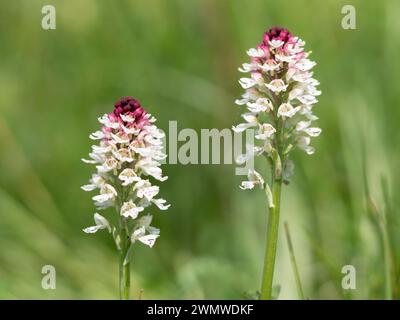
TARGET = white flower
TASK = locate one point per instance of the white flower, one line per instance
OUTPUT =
(161, 204)
(247, 67)
(265, 132)
(108, 165)
(250, 151)
(269, 65)
(261, 105)
(247, 83)
(277, 85)
(107, 193)
(285, 58)
(302, 76)
(304, 64)
(120, 137)
(128, 176)
(313, 132)
(301, 125)
(287, 110)
(254, 179)
(97, 135)
(294, 93)
(123, 155)
(256, 53)
(131, 130)
(147, 239)
(151, 168)
(276, 43)
(97, 181)
(130, 209)
(101, 223)
(144, 232)
(303, 143)
(146, 190)
(242, 127)
(108, 123)
(127, 118)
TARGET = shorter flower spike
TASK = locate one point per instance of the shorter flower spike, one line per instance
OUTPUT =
(127, 157)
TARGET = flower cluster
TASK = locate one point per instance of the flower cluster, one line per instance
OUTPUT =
(279, 97)
(128, 153)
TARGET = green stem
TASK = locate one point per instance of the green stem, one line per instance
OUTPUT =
(272, 239)
(124, 265)
(299, 286)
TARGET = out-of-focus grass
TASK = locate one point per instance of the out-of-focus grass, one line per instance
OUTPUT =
(180, 59)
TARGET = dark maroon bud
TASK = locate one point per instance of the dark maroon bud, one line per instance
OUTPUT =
(131, 106)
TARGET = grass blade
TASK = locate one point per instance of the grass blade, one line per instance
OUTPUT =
(299, 286)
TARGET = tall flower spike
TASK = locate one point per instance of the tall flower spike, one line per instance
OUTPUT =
(127, 157)
(280, 93)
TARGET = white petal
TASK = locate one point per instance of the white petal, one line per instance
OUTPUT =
(276, 43)
(89, 187)
(242, 127)
(276, 85)
(148, 192)
(145, 220)
(101, 221)
(287, 110)
(89, 161)
(256, 52)
(140, 232)
(129, 209)
(160, 203)
(149, 239)
(241, 101)
(127, 118)
(247, 185)
(92, 229)
(249, 118)
(97, 135)
(313, 132)
(301, 125)
(247, 83)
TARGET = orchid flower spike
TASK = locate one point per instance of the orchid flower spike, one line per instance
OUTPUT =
(127, 159)
(280, 93)
(279, 96)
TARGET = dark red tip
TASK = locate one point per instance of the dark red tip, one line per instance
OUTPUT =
(131, 106)
(277, 33)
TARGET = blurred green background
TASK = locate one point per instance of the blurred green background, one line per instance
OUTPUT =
(180, 59)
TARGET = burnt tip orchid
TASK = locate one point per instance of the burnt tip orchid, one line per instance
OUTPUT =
(127, 159)
(279, 97)
(280, 93)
